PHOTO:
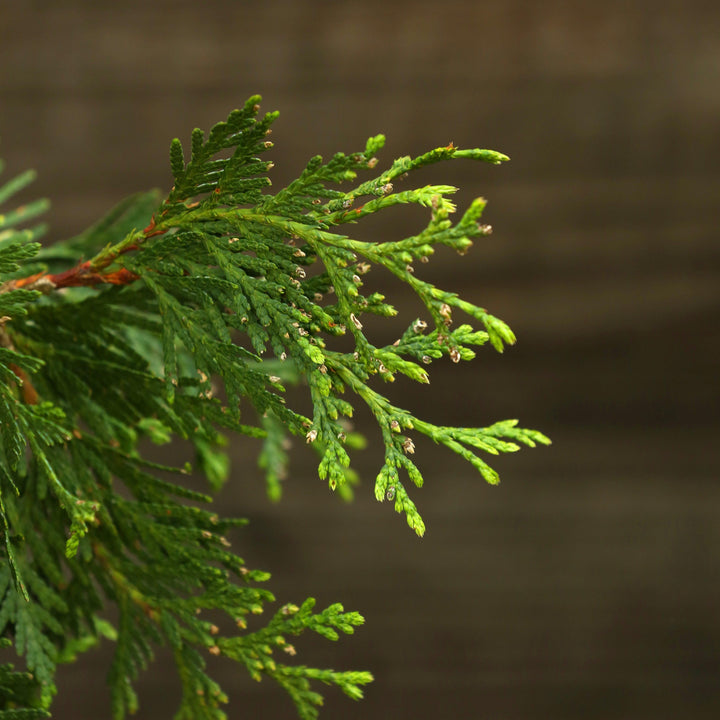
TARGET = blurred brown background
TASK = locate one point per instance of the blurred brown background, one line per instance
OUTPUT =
(587, 585)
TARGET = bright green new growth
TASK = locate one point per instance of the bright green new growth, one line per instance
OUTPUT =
(226, 295)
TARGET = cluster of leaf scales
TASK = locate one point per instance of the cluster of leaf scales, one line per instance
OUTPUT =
(227, 294)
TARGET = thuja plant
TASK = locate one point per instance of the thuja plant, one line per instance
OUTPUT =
(186, 317)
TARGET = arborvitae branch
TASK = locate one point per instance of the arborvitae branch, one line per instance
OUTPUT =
(172, 318)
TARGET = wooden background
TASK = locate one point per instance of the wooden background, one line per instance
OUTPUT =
(588, 584)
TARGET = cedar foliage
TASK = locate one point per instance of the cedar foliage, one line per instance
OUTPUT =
(188, 320)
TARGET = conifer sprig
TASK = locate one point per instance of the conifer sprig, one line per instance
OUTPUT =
(19, 693)
(186, 317)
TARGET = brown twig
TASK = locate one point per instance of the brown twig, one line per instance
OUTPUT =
(81, 275)
(27, 389)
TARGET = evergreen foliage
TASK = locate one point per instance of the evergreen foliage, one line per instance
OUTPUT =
(188, 320)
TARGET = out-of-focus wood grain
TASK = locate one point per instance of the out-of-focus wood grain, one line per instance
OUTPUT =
(587, 584)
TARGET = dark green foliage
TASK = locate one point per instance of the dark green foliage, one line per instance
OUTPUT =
(186, 318)
(20, 696)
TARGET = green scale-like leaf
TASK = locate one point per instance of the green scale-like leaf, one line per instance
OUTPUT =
(199, 311)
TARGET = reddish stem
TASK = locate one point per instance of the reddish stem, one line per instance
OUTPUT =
(79, 276)
(28, 391)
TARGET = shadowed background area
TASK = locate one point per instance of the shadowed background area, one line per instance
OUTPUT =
(587, 585)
